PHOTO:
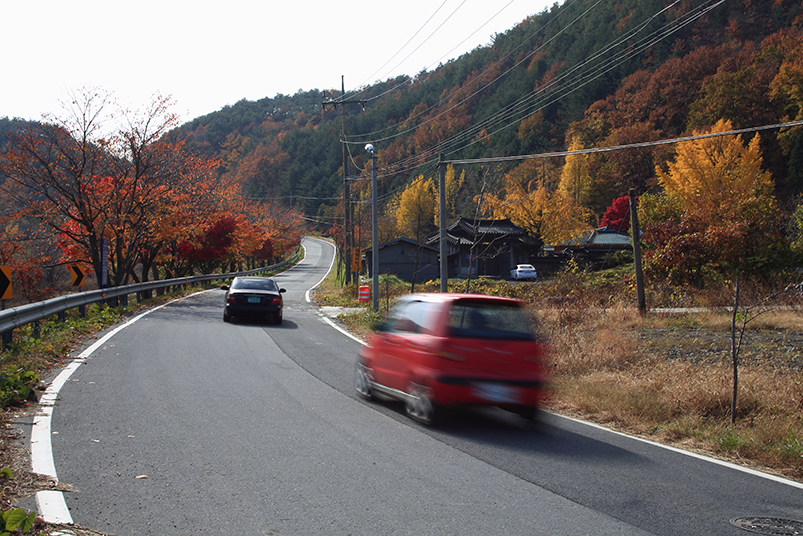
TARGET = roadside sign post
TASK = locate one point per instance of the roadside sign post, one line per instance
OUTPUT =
(6, 294)
(77, 279)
(356, 260)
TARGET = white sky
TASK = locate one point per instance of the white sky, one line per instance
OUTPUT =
(207, 54)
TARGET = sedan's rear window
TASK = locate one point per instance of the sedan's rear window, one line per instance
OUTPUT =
(484, 320)
(254, 284)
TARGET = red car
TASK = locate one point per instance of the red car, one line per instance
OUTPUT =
(440, 350)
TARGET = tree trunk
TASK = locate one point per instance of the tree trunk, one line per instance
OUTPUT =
(734, 352)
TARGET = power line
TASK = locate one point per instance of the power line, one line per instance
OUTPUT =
(403, 46)
(503, 58)
(523, 107)
(439, 60)
(574, 84)
(627, 146)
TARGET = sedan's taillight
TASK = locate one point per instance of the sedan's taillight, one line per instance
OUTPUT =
(231, 299)
(277, 300)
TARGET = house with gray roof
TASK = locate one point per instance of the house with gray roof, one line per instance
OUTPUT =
(406, 259)
(486, 247)
(592, 247)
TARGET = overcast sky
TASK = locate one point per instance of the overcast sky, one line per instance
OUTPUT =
(207, 54)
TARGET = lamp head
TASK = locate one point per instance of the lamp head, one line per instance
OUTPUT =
(369, 148)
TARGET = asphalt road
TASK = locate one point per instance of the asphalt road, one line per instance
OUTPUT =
(181, 424)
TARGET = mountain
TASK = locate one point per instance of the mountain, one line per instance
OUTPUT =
(606, 73)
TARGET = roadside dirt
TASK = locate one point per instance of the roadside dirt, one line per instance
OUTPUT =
(780, 349)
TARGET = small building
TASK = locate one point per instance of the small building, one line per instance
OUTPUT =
(593, 247)
(406, 259)
(486, 247)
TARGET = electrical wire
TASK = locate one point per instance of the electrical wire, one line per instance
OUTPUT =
(574, 84)
(439, 60)
(514, 112)
(402, 48)
(735, 132)
(481, 89)
(486, 70)
(567, 83)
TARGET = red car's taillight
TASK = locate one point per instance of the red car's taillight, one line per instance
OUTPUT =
(452, 354)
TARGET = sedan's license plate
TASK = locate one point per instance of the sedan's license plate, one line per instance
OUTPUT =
(497, 392)
(253, 299)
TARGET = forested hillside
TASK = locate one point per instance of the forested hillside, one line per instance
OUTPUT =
(604, 72)
(237, 185)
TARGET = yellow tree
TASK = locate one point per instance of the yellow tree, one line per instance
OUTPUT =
(567, 216)
(564, 220)
(524, 196)
(529, 198)
(453, 185)
(726, 221)
(415, 209)
(716, 174)
(730, 225)
(575, 180)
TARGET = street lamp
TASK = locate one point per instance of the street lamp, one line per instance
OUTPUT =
(374, 244)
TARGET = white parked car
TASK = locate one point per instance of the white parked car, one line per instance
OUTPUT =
(523, 271)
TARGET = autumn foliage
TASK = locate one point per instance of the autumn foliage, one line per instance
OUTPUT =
(574, 78)
(716, 215)
(617, 216)
(155, 208)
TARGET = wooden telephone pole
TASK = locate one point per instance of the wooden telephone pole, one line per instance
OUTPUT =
(348, 224)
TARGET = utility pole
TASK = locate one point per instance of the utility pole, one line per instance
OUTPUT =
(444, 266)
(635, 233)
(348, 225)
(374, 232)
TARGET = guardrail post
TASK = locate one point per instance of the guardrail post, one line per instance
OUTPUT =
(36, 329)
(8, 336)
(82, 311)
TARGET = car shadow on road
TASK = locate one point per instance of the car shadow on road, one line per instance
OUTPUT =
(262, 323)
(548, 435)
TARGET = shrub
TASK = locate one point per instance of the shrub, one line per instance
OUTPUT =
(17, 385)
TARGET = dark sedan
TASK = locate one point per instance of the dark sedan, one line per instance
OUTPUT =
(254, 297)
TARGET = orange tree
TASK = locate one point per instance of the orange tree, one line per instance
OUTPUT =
(543, 199)
(93, 182)
(21, 251)
(716, 216)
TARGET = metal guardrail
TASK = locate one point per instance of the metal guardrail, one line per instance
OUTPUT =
(33, 312)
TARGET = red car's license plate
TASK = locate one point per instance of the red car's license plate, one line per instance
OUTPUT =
(497, 392)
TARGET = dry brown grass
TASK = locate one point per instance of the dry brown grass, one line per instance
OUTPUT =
(648, 376)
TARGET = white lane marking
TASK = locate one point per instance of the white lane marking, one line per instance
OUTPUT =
(309, 299)
(341, 330)
(331, 264)
(768, 476)
(51, 504)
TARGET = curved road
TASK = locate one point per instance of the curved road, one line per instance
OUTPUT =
(181, 424)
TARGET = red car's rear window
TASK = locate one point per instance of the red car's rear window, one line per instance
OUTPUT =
(489, 320)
